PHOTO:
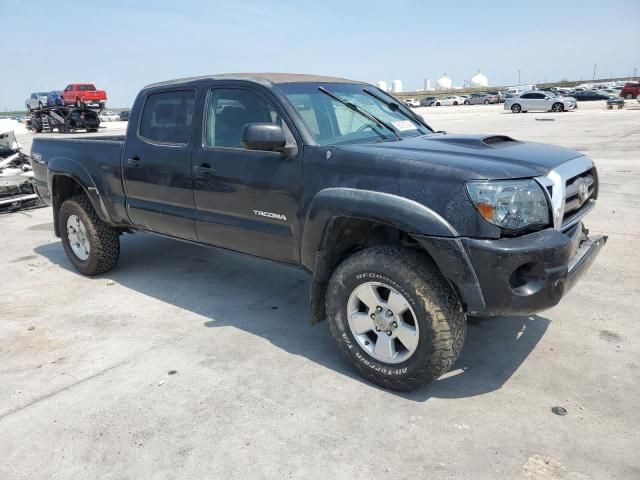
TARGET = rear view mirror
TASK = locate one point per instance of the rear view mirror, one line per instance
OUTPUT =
(263, 136)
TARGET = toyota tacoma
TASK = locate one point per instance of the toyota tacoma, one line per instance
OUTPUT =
(405, 231)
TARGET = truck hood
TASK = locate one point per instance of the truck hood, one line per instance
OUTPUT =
(472, 156)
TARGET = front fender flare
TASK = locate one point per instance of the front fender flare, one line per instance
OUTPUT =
(385, 208)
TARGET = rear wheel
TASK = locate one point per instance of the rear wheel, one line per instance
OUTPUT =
(394, 317)
(557, 107)
(92, 246)
(437, 104)
(516, 108)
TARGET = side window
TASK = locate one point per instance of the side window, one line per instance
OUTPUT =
(230, 109)
(527, 95)
(167, 116)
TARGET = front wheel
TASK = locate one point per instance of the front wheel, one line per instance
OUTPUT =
(557, 107)
(467, 102)
(395, 317)
(486, 102)
(516, 108)
(92, 246)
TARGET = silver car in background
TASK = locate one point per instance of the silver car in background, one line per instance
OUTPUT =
(481, 98)
(36, 100)
(539, 101)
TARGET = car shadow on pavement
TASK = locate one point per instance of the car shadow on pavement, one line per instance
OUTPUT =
(271, 300)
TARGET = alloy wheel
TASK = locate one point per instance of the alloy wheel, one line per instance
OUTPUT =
(382, 322)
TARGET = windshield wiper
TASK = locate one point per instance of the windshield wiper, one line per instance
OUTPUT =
(394, 107)
(364, 113)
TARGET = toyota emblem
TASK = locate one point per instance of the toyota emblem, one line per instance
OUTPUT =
(583, 192)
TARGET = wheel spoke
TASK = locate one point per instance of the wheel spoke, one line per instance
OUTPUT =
(407, 336)
(368, 295)
(384, 349)
(361, 323)
(396, 303)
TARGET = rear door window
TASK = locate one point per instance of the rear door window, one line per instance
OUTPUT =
(167, 117)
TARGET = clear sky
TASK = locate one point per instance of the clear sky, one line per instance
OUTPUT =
(121, 45)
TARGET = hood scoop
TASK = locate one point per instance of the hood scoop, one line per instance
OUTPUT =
(491, 141)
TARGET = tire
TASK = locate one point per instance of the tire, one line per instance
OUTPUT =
(516, 108)
(432, 306)
(437, 104)
(557, 107)
(29, 108)
(609, 107)
(628, 96)
(455, 103)
(467, 102)
(103, 240)
(486, 102)
(40, 105)
(79, 103)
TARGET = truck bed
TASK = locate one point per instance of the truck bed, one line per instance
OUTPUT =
(99, 159)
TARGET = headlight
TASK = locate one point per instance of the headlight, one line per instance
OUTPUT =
(510, 204)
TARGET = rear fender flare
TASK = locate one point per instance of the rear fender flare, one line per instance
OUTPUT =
(65, 167)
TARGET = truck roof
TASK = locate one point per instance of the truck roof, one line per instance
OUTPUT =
(264, 78)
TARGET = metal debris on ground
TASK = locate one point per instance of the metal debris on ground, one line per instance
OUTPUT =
(16, 175)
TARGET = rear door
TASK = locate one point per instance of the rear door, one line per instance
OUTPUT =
(157, 164)
(246, 200)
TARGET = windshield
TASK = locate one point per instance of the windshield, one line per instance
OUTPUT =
(43, 94)
(332, 122)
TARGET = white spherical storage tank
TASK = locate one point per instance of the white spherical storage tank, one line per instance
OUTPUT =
(444, 83)
(382, 85)
(479, 80)
(396, 86)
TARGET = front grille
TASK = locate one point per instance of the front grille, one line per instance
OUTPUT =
(578, 191)
(572, 189)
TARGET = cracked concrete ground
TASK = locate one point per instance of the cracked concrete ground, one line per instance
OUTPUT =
(188, 362)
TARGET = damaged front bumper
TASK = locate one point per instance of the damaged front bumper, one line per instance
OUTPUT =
(515, 276)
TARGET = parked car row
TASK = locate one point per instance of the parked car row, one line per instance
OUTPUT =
(79, 94)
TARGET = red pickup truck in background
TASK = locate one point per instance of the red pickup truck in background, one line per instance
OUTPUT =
(81, 94)
(630, 90)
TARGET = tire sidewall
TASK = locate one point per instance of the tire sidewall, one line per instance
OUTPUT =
(72, 207)
(338, 297)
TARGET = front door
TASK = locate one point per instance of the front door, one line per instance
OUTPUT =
(246, 200)
(157, 165)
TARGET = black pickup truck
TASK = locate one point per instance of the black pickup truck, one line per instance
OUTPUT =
(406, 231)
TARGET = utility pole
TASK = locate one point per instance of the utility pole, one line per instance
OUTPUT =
(518, 77)
(594, 71)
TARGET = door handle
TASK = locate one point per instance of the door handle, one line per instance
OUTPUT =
(204, 169)
(134, 162)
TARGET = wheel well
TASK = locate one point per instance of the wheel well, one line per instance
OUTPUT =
(343, 237)
(63, 187)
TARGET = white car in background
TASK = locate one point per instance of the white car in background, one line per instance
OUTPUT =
(539, 101)
(109, 117)
(411, 102)
(446, 101)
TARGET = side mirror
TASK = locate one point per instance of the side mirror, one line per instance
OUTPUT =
(263, 136)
